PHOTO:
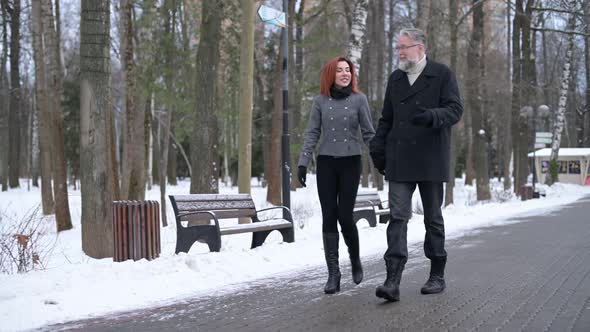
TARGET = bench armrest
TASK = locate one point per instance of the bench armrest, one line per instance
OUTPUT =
(212, 214)
(290, 217)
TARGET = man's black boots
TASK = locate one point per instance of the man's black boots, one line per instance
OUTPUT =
(331, 253)
(351, 239)
(390, 288)
(436, 282)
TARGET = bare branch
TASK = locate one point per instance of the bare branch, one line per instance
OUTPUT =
(558, 10)
(561, 31)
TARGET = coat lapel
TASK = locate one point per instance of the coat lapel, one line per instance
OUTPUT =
(420, 84)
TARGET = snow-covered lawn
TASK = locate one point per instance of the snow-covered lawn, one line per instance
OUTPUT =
(73, 285)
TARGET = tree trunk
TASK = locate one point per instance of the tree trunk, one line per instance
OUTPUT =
(60, 176)
(133, 162)
(422, 11)
(274, 192)
(246, 85)
(586, 132)
(475, 102)
(357, 34)
(14, 115)
(516, 91)
(172, 160)
(450, 187)
(507, 114)
(4, 106)
(564, 87)
(98, 179)
(42, 108)
(204, 144)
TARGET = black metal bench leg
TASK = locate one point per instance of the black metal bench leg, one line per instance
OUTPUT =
(258, 238)
(288, 234)
(186, 237)
(183, 242)
(365, 214)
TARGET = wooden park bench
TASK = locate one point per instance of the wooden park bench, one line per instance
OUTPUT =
(368, 205)
(194, 214)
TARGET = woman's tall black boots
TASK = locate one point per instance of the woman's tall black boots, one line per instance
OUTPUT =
(351, 238)
(331, 253)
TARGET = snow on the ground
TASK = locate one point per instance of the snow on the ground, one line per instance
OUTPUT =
(74, 286)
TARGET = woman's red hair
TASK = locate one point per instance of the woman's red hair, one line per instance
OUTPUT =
(329, 76)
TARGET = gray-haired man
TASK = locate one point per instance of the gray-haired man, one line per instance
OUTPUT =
(412, 148)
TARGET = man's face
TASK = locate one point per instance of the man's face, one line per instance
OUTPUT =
(343, 75)
(410, 52)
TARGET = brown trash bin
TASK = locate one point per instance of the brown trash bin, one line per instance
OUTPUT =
(136, 230)
(526, 192)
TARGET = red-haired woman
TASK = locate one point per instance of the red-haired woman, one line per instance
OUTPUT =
(336, 116)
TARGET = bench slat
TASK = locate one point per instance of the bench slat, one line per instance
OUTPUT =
(220, 214)
(212, 197)
(255, 227)
(191, 206)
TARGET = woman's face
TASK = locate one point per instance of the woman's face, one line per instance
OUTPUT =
(343, 75)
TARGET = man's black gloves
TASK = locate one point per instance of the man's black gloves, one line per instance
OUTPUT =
(424, 117)
(378, 162)
(302, 174)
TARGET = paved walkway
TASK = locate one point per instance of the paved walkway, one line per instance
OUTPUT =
(533, 275)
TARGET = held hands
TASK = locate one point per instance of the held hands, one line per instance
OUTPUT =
(423, 118)
(302, 175)
(378, 162)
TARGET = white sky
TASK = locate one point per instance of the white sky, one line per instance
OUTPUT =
(74, 286)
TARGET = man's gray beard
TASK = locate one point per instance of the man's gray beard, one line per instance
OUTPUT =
(407, 65)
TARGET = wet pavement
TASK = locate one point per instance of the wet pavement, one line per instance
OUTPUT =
(533, 275)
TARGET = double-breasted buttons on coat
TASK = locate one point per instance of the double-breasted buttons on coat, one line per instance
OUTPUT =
(337, 134)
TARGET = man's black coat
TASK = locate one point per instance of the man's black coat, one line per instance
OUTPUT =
(409, 152)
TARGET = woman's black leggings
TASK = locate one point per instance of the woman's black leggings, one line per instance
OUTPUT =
(338, 182)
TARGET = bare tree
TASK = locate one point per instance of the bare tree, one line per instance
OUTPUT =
(450, 186)
(42, 109)
(586, 131)
(246, 86)
(4, 88)
(99, 186)
(14, 115)
(475, 102)
(273, 193)
(133, 160)
(53, 60)
(563, 92)
(204, 142)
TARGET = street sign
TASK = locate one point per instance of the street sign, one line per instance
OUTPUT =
(544, 134)
(272, 16)
(540, 145)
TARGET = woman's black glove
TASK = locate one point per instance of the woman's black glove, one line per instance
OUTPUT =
(302, 174)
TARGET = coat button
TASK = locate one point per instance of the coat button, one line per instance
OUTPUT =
(334, 140)
(331, 118)
(344, 118)
(333, 129)
(345, 129)
(403, 103)
(330, 107)
(345, 107)
(345, 139)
